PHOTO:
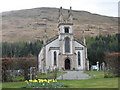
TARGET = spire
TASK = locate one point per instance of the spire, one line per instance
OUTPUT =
(70, 19)
(70, 8)
(45, 33)
(83, 36)
(45, 37)
(60, 15)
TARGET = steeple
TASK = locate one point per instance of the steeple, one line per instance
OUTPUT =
(70, 19)
(65, 23)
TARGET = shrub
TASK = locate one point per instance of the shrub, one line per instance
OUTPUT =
(112, 68)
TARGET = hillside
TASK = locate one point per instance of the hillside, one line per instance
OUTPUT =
(29, 24)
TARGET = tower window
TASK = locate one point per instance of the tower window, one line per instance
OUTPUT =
(67, 45)
(55, 61)
(79, 61)
(66, 29)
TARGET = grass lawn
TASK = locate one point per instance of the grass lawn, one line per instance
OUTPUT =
(96, 82)
(92, 83)
(95, 74)
(18, 78)
(13, 84)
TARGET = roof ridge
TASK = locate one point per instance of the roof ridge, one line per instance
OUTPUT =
(52, 39)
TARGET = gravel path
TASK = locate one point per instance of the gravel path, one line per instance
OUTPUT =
(74, 75)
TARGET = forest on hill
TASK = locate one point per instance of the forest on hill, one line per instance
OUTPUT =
(97, 48)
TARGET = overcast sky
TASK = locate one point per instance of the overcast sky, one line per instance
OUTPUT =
(103, 7)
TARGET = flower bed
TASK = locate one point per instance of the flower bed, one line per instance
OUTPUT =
(43, 83)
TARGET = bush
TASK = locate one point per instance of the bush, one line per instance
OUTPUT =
(112, 68)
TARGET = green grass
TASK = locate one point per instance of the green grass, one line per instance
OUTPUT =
(95, 74)
(89, 83)
(19, 78)
(97, 82)
(13, 84)
(92, 83)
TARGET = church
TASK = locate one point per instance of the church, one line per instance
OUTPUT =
(63, 51)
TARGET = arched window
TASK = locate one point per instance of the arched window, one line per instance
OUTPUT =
(55, 57)
(79, 60)
(67, 45)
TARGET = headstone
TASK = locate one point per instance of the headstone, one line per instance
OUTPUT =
(97, 66)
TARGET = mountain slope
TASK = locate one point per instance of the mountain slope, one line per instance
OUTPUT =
(29, 24)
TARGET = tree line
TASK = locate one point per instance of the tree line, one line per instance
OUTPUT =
(99, 46)
(21, 49)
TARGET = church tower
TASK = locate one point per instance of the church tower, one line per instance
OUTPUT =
(65, 26)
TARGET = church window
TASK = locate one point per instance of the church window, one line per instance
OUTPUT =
(67, 45)
(79, 60)
(55, 57)
(66, 29)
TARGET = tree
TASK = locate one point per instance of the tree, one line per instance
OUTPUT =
(98, 46)
(112, 65)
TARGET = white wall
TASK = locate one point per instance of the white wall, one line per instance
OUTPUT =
(40, 57)
(82, 53)
(49, 53)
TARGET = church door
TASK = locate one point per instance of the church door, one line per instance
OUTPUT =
(67, 64)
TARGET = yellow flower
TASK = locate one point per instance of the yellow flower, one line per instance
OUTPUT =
(44, 80)
(30, 80)
(50, 80)
(34, 81)
(39, 80)
(54, 80)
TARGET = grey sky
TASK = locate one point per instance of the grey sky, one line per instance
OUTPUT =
(103, 7)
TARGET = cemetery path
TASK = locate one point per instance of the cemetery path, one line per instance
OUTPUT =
(74, 75)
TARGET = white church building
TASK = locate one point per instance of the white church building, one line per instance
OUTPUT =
(63, 52)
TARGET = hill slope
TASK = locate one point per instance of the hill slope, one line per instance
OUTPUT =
(29, 25)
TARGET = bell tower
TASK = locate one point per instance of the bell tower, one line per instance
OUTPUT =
(65, 23)
(65, 26)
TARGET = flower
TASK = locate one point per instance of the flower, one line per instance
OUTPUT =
(43, 83)
(30, 80)
(34, 81)
(54, 80)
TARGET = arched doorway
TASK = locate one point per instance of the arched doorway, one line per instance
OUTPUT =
(67, 64)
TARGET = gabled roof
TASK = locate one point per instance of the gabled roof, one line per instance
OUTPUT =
(79, 41)
(56, 37)
(52, 39)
